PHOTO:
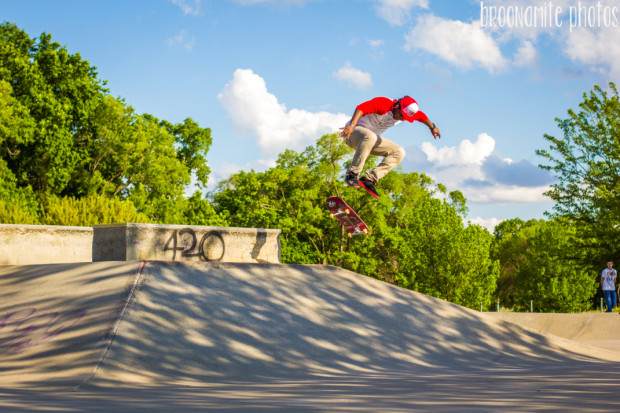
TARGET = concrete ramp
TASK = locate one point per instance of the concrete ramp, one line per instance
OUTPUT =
(191, 323)
(57, 320)
(101, 325)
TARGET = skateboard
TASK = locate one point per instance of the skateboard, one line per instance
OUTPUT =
(346, 215)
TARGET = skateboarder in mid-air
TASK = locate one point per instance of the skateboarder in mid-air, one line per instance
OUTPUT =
(363, 133)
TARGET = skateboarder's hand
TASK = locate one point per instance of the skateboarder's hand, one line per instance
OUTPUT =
(347, 131)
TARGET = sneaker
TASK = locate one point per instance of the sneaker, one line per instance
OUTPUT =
(352, 180)
(369, 186)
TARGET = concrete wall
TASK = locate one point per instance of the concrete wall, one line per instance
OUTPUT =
(127, 242)
(578, 326)
(44, 244)
(38, 244)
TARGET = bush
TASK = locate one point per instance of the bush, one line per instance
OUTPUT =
(89, 211)
(16, 212)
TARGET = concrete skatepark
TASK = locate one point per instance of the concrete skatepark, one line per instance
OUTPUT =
(257, 336)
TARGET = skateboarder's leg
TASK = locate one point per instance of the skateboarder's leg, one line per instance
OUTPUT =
(393, 155)
(363, 141)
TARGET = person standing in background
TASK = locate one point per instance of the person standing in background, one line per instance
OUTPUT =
(608, 284)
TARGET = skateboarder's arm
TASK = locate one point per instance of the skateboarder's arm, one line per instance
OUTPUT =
(348, 130)
(434, 129)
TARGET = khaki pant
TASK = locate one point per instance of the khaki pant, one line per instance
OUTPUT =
(366, 142)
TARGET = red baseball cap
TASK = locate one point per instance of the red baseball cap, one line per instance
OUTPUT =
(409, 107)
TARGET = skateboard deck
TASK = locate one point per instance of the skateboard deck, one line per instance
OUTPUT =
(346, 215)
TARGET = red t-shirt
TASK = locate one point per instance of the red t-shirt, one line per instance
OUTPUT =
(378, 115)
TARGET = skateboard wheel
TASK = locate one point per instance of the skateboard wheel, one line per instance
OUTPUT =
(331, 216)
(350, 235)
(365, 231)
(346, 211)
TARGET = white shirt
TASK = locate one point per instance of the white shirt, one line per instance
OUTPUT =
(378, 123)
(609, 278)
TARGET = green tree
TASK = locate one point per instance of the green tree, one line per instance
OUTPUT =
(287, 197)
(437, 254)
(147, 161)
(586, 161)
(59, 91)
(141, 158)
(539, 262)
(199, 211)
(509, 247)
(17, 204)
(61, 134)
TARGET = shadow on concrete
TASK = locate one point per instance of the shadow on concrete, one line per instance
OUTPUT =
(268, 337)
(56, 320)
(249, 320)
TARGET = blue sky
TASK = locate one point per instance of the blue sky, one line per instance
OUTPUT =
(267, 75)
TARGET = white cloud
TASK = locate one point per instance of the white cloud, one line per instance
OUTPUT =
(228, 169)
(189, 7)
(526, 54)
(257, 113)
(182, 41)
(398, 12)
(465, 45)
(376, 49)
(598, 48)
(587, 31)
(488, 223)
(482, 174)
(354, 76)
(467, 153)
(499, 193)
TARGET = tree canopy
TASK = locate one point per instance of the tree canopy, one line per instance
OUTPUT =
(62, 134)
(586, 161)
(540, 263)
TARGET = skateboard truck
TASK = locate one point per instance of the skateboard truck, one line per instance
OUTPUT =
(340, 212)
(357, 231)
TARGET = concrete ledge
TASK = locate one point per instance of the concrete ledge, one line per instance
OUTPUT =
(128, 242)
(597, 329)
(44, 244)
